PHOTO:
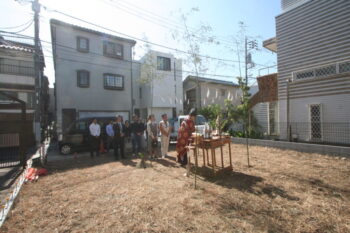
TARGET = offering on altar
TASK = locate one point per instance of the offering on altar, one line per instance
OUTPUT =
(194, 135)
(207, 131)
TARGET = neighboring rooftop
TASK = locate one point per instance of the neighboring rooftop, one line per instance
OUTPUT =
(210, 80)
(14, 45)
(271, 44)
(58, 22)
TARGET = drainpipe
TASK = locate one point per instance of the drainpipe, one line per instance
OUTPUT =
(131, 86)
(175, 85)
(288, 123)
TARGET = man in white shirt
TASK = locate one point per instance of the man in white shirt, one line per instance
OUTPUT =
(95, 132)
(164, 128)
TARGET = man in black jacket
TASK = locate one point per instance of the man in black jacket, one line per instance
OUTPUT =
(119, 130)
(137, 130)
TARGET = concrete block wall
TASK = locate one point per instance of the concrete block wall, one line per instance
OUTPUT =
(301, 147)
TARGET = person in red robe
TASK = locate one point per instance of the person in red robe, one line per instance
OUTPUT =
(186, 129)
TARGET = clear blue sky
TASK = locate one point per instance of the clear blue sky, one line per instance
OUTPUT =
(157, 19)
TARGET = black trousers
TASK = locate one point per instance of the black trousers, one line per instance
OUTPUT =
(110, 143)
(119, 145)
(184, 161)
(94, 145)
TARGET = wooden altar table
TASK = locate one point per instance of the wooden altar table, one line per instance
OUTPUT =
(211, 145)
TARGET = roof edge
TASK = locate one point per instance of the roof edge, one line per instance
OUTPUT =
(88, 30)
(210, 80)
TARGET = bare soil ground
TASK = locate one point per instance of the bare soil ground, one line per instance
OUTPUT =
(283, 191)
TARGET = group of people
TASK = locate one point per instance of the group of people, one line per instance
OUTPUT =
(118, 133)
(153, 129)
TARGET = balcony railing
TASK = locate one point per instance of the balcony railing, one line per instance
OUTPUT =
(16, 70)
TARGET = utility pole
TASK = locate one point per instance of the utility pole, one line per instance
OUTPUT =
(246, 60)
(37, 67)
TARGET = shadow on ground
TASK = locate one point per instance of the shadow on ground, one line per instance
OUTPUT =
(83, 160)
(243, 182)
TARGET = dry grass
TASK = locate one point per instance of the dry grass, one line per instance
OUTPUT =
(284, 191)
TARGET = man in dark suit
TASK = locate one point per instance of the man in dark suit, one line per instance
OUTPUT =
(119, 130)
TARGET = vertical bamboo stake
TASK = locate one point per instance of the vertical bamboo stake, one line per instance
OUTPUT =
(247, 143)
(195, 154)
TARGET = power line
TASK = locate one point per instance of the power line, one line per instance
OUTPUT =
(168, 21)
(146, 41)
(15, 27)
(159, 22)
(22, 30)
(143, 40)
(72, 51)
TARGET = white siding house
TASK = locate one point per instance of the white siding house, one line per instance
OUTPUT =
(159, 85)
(93, 73)
(212, 91)
(313, 56)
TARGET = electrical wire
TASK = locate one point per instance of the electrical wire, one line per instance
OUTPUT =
(145, 41)
(159, 22)
(73, 53)
(15, 27)
(158, 18)
(22, 30)
(135, 38)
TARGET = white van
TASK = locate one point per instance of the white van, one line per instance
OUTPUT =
(176, 122)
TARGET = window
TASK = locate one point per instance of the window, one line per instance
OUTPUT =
(80, 126)
(315, 121)
(31, 100)
(191, 95)
(111, 49)
(11, 93)
(326, 71)
(223, 92)
(200, 120)
(163, 63)
(113, 81)
(344, 67)
(304, 75)
(83, 78)
(82, 44)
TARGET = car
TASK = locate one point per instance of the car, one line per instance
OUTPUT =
(176, 122)
(76, 136)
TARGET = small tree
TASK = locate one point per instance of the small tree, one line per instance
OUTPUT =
(194, 39)
(241, 113)
(216, 116)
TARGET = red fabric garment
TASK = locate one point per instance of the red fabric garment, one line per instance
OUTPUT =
(31, 174)
(42, 172)
(185, 131)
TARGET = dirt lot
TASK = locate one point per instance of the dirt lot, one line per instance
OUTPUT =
(283, 191)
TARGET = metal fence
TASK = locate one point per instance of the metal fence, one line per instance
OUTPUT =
(329, 133)
(9, 150)
(320, 132)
